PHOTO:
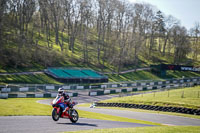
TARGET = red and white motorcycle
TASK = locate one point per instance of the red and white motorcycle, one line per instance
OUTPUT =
(57, 111)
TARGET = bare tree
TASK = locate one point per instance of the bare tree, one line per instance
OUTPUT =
(195, 34)
(123, 21)
(140, 22)
(72, 18)
(45, 21)
(86, 15)
(2, 10)
(170, 21)
(152, 35)
(56, 13)
(181, 44)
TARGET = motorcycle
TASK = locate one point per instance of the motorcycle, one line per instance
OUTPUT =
(57, 111)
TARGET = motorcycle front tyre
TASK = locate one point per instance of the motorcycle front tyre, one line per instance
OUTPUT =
(55, 115)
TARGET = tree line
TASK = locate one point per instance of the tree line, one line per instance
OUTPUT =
(117, 31)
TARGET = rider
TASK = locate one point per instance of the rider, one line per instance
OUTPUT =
(67, 99)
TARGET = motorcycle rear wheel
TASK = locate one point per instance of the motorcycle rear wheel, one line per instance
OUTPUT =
(55, 115)
(74, 116)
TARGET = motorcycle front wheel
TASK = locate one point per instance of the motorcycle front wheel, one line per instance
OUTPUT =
(55, 115)
(74, 116)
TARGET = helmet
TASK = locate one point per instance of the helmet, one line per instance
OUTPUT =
(60, 90)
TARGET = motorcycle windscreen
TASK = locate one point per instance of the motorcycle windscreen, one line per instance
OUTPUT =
(56, 100)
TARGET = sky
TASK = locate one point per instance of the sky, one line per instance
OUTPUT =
(187, 11)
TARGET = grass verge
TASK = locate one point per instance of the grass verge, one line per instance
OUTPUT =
(186, 97)
(159, 129)
(23, 106)
(157, 112)
(100, 116)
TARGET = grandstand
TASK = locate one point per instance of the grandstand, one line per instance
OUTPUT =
(76, 75)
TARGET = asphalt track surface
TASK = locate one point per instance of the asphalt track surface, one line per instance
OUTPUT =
(153, 117)
(45, 124)
(42, 124)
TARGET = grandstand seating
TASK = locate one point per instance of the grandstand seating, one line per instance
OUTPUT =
(76, 75)
(59, 73)
(91, 73)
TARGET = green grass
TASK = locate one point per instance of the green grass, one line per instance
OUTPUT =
(23, 106)
(159, 129)
(187, 97)
(13, 70)
(132, 76)
(28, 79)
(180, 74)
(147, 75)
(35, 67)
(100, 116)
(84, 105)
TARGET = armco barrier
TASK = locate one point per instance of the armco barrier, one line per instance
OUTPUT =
(37, 95)
(5, 90)
(114, 91)
(151, 107)
(34, 88)
(137, 86)
(147, 87)
(4, 95)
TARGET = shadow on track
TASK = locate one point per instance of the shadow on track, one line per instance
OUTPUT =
(79, 124)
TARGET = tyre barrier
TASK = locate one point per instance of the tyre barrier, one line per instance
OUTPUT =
(152, 107)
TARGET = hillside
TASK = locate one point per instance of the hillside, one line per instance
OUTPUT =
(40, 57)
(69, 59)
(35, 35)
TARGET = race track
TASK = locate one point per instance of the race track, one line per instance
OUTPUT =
(41, 124)
(45, 124)
(153, 117)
